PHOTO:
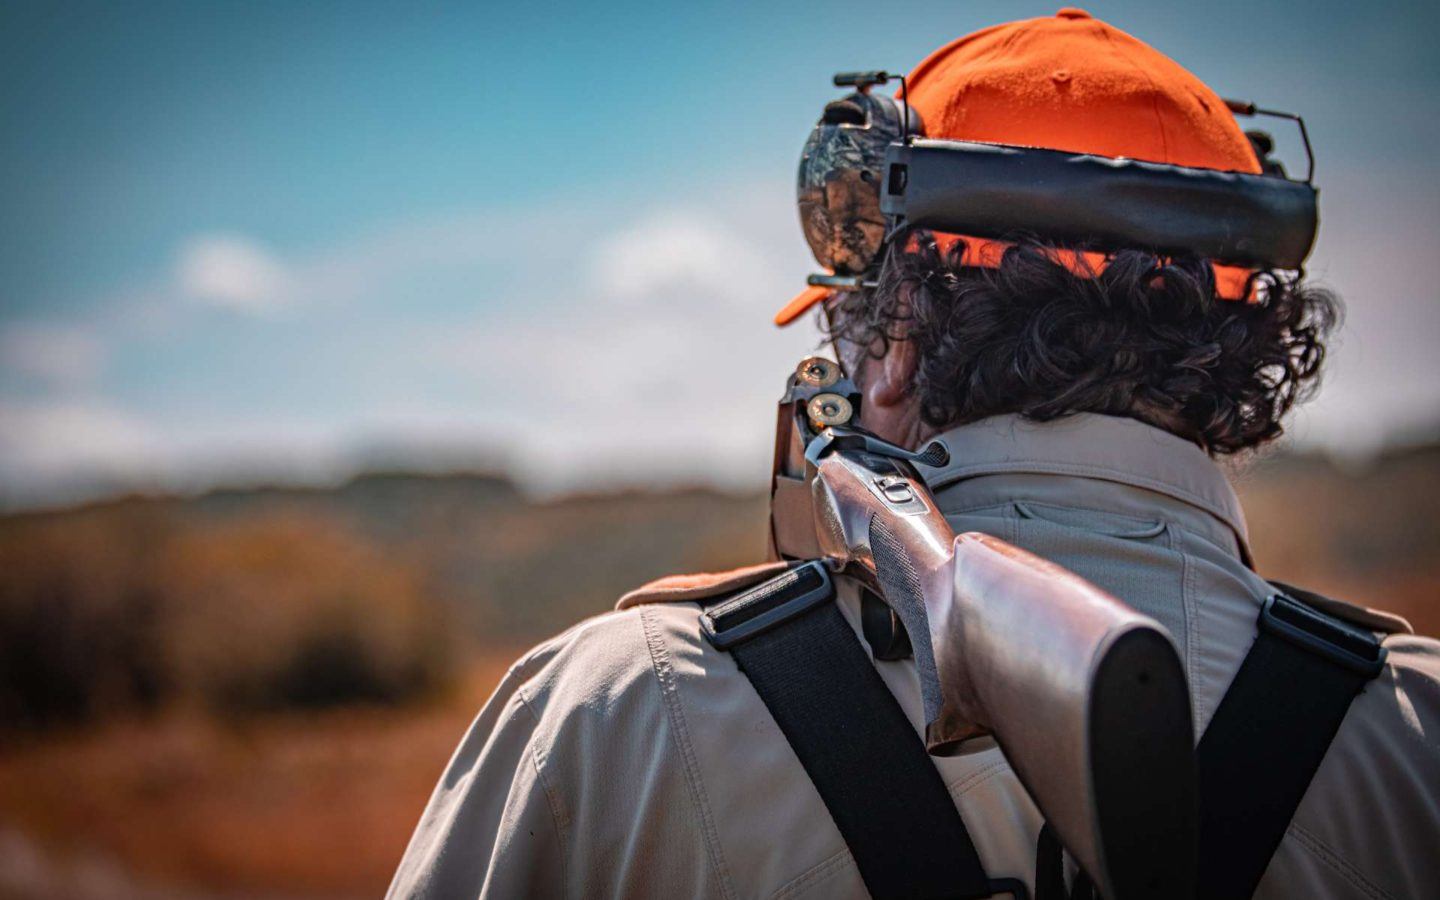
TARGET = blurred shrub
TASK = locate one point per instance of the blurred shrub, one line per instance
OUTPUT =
(80, 620)
(275, 598)
(294, 610)
(125, 609)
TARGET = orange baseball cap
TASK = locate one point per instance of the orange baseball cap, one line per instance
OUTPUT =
(1073, 83)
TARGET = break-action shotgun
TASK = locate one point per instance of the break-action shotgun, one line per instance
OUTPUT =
(1085, 696)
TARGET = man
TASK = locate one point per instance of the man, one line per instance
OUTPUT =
(1082, 400)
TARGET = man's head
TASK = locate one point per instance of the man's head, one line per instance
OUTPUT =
(960, 327)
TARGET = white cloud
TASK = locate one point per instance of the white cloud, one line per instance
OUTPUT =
(41, 442)
(648, 358)
(232, 272)
(667, 369)
(675, 251)
(58, 356)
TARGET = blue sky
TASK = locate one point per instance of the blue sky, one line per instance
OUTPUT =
(276, 237)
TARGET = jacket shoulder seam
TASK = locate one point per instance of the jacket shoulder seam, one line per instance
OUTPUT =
(817, 873)
(558, 817)
(833, 863)
(669, 692)
(1191, 603)
(1330, 858)
(965, 783)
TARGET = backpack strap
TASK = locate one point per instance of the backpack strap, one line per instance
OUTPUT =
(1269, 735)
(852, 738)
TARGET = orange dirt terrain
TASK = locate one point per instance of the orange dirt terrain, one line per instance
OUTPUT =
(252, 693)
(317, 805)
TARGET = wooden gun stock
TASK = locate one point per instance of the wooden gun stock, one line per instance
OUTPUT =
(1085, 696)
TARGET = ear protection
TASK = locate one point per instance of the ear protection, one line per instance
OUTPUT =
(864, 176)
(841, 168)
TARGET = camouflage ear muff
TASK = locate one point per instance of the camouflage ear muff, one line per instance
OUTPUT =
(839, 181)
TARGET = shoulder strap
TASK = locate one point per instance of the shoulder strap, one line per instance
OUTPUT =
(1269, 735)
(1263, 746)
(860, 751)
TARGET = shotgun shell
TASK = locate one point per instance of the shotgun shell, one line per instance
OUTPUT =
(817, 371)
(825, 410)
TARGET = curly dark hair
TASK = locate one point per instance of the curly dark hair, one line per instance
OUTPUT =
(1145, 337)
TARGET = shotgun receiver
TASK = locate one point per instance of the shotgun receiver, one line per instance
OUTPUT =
(1085, 696)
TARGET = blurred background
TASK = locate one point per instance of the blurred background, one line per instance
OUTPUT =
(347, 349)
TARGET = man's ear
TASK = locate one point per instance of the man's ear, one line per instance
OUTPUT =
(893, 376)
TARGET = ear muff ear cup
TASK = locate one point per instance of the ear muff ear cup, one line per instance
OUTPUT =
(838, 188)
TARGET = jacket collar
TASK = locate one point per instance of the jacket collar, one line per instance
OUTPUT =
(1087, 445)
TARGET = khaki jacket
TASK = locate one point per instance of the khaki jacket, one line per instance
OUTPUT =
(626, 757)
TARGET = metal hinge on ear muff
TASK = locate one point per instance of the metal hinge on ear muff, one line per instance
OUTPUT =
(863, 81)
(1246, 108)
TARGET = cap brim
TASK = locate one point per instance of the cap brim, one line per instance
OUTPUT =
(801, 304)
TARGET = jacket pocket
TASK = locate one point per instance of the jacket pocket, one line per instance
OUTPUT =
(1131, 557)
(1107, 523)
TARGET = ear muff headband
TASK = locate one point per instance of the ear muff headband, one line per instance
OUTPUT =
(994, 190)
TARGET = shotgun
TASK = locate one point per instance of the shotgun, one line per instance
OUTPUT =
(1085, 696)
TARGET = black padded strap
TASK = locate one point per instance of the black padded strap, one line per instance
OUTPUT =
(993, 190)
(1049, 866)
(860, 751)
(1050, 871)
(1267, 739)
